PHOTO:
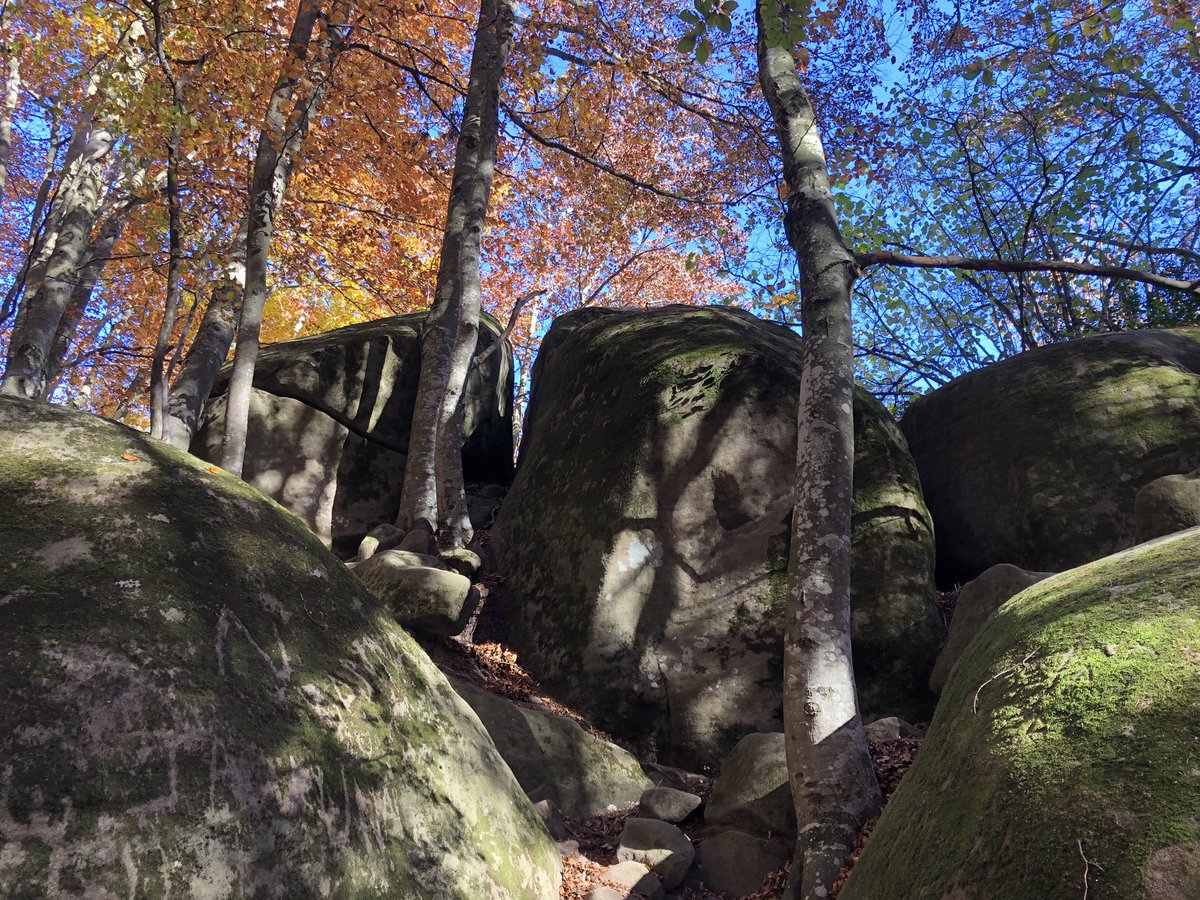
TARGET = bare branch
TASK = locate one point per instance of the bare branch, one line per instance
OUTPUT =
(904, 260)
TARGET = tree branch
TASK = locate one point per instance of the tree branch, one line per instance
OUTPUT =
(553, 144)
(891, 258)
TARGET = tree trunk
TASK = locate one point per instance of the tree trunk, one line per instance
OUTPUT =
(90, 272)
(287, 121)
(57, 271)
(832, 779)
(433, 480)
(202, 363)
(12, 93)
(210, 347)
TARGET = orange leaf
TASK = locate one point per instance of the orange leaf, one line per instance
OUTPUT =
(129, 456)
(214, 470)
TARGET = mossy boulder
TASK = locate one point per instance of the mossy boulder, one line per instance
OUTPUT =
(645, 538)
(554, 759)
(1035, 460)
(197, 699)
(1067, 729)
(1167, 505)
(330, 417)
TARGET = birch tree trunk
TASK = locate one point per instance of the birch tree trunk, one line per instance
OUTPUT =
(433, 492)
(832, 778)
(287, 121)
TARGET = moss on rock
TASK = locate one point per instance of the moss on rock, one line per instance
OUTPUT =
(1035, 461)
(1068, 727)
(645, 537)
(196, 698)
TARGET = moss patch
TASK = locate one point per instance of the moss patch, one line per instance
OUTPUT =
(1072, 719)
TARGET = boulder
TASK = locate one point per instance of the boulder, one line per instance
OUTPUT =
(890, 729)
(1166, 505)
(422, 598)
(1067, 731)
(1035, 460)
(752, 792)
(667, 804)
(645, 537)
(461, 560)
(198, 699)
(736, 863)
(976, 601)
(330, 417)
(636, 879)
(660, 846)
(554, 758)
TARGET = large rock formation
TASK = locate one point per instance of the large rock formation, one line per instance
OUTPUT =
(645, 537)
(1067, 732)
(330, 417)
(1035, 461)
(197, 699)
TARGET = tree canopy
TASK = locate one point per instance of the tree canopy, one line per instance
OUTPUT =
(1007, 174)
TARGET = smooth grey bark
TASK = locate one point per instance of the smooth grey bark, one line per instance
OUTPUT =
(214, 337)
(12, 92)
(832, 778)
(91, 271)
(433, 491)
(203, 362)
(287, 121)
(46, 298)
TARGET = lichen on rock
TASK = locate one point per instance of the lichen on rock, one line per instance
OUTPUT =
(198, 699)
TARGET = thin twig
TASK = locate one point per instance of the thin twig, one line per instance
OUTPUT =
(1087, 864)
(1000, 674)
(508, 329)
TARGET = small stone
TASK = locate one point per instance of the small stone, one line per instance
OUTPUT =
(667, 804)
(381, 537)
(890, 729)
(659, 845)
(1110, 650)
(604, 893)
(636, 878)
(419, 540)
(752, 791)
(367, 548)
(567, 848)
(460, 560)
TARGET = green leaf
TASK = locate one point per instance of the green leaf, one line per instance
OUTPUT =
(691, 18)
(703, 51)
(686, 44)
(723, 22)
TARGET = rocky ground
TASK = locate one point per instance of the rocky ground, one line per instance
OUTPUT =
(591, 843)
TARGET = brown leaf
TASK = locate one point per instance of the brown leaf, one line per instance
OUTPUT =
(129, 456)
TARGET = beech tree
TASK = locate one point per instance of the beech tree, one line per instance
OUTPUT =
(433, 494)
(830, 771)
(287, 120)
